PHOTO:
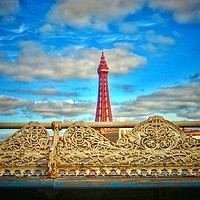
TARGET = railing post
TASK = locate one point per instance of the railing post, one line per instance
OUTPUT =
(52, 164)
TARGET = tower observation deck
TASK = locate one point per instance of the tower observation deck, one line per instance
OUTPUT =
(103, 109)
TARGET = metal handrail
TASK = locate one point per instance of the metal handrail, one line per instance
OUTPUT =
(15, 125)
(150, 149)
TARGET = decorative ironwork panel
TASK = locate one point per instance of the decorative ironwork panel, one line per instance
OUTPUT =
(154, 147)
(83, 145)
(26, 152)
(157, 141)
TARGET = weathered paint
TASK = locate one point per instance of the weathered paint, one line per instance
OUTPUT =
(119, 182)
(99, 182)
(22, 182)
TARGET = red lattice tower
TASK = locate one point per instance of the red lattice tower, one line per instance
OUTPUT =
(103, 110)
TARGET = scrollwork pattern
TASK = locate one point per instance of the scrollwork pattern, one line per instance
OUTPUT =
(28, 146)
(155, 141)
(153, 147)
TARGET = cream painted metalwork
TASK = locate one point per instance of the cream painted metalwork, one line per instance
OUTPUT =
(155, 147)
(26, 152)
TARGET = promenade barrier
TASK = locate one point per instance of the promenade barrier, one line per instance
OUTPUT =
(153, 148)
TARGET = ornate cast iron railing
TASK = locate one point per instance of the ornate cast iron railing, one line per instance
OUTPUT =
(155, 147)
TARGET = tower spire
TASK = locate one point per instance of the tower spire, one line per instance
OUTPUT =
(103, 109)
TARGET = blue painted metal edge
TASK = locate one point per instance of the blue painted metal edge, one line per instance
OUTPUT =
(121, 182)
(99, 182)
(23, 182)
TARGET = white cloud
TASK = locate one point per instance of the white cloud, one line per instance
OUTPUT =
(122, 61)
(95, 14)
(149, 47)
(190, 113)
(46, 28)
(151, 36)
(21, 29)
(66, 108)
(34, 63)
(8, 8)
(157, 41)
(125, 45)
(99, 14)
(8, 105)
(184, 11)
(5, 68)
(70, 101)
(50, 109)
(128, 27)
(183, 100)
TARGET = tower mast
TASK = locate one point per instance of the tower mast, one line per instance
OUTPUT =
(103, 109)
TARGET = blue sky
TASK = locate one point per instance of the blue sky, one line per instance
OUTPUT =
(50, 51)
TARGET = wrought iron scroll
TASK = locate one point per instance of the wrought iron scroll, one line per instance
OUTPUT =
(26, 152)
(155, 147)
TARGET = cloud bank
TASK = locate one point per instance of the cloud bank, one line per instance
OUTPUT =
(9, 105)
(184, 11)
(99, 14)
(87, 13)
(8, 9)
(34, 63)
(183, 100)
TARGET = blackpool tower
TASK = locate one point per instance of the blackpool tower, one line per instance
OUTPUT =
(103, 110)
